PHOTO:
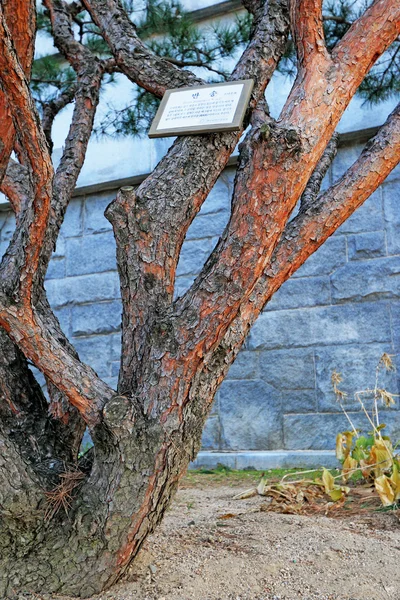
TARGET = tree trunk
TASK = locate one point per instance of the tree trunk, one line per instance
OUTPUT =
(80, 551)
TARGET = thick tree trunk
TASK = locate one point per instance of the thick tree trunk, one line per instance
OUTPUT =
(136, 470)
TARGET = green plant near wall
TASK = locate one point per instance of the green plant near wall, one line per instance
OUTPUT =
(370, 459)
(373, 455)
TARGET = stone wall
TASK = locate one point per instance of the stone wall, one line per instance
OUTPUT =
(339, 311)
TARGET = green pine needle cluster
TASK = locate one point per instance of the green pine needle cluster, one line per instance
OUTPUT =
(170, 32)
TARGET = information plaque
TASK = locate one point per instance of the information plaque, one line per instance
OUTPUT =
(202, 109)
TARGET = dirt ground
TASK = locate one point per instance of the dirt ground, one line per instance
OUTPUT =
(211, 547)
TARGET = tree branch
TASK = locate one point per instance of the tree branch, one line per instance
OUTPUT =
(90, 71)
(262, 205)
(314, 183)
(253, 6)
(51, 110)
(17, 187)
(320, 219)
(25, 248)
(24, 417)
(368, 37)
(20, 18)
(36, 337)
(24, 411)
(137, 62)
(307, 30)
(23, 408)
(29, 249)
(35, 430)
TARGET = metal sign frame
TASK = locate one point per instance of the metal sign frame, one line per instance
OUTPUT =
(233, 125)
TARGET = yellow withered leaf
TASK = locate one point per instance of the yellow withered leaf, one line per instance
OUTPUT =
(349, 435)
(395, 481)
(261, 486)
(344, 442)
(247, 494)
(340, 441)
(385, 490)
(328, 481)
(336, 494)
(382, 453)
(349, 465)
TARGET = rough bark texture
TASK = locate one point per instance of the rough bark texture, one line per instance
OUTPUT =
(175, 354)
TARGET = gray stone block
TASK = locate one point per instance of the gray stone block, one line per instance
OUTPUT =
(288, 369)
(95, 221)
(395, 309)
(369, 217)
(91, 254)
(95, 351)
(104, 317)
(331, 255)
(245, 366)
(298, 401)
(250, 416)
(219, 197)
(38, 375)
(64, 317)
(281, 459)
(7, 225)
(367, 280)
(391, 204)
(366, 245)
(59, 252)
(357, 365)
(395, 174)
(298, 292)
(208, 225)
(115, 366)
(112, 382)
(182, 284)
(193, 256)
(345, 157)
(211, 460)
(84, 288)
(56, 268)
(3, 247)
(73, 221)
(211, 433)
(344, 324)
(318, 431)
(115, 343)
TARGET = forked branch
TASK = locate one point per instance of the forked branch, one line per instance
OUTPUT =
(262, 204)
(317, 221)
(150, 223)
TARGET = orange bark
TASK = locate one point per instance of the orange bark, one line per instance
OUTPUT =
(20, 18)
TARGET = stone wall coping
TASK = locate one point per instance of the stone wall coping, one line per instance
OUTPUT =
(270, 459)
(345, 139)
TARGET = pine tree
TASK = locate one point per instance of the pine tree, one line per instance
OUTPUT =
(70, 523)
